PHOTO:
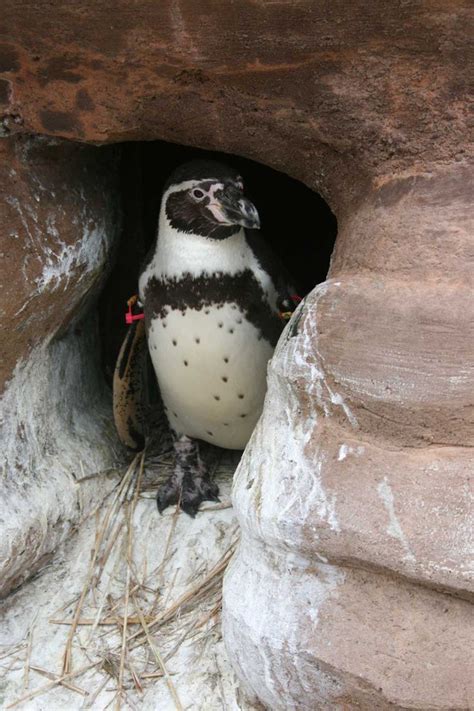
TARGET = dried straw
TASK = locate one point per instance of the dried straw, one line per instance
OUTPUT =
(101, 535)
(54, 677)
(52, 684)
(133, 660)
(26, 672)
(130, 510)
(158, 657)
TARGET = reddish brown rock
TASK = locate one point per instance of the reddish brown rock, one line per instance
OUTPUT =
(59, 221)
(355, 492)
(332, 93)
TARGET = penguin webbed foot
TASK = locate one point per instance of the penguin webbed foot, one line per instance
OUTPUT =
(168, 494)
(189, 493)
(190, 483)
(196, 490)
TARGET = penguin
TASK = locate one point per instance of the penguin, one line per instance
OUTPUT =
(212, 291)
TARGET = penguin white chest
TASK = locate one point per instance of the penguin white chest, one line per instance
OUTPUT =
(211, 367)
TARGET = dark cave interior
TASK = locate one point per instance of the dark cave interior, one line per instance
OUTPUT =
(297, 222)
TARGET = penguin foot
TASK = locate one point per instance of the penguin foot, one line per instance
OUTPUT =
(194, 491)
(190, 483)
(169, 493)
(189, 493)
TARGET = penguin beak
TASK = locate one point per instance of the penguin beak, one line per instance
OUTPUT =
(230, 207)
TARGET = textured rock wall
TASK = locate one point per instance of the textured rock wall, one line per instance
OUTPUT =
(354, 581)
(334, 93)
(59, 220)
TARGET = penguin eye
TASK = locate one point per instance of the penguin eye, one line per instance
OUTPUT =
(198, 194)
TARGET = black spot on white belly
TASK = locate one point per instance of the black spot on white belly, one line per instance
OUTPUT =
(192, 383)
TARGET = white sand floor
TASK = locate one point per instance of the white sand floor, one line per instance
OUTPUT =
(147, 603)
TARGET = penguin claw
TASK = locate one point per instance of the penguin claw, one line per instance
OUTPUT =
(191, 508)
(194, 493)
(190, 494)
(168, 495)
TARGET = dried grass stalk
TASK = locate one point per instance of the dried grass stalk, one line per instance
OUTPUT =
(101, 534)
(52, 684)
(54, 677)
(130, 510)
(158, 657)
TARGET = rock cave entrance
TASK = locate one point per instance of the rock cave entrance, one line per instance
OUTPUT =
(297, 222)
(81, 219)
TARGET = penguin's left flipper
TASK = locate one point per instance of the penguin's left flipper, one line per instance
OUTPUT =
(286, 303)
(128, 386)
(272, 264)
(190, 483)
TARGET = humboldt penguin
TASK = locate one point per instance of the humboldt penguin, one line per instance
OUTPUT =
(212, 291)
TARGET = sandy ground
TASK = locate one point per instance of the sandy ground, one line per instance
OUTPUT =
(145, 590)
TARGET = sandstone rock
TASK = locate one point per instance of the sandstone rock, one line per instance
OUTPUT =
(59, 220)
(354, 581)
(332, 93)
(348, 639)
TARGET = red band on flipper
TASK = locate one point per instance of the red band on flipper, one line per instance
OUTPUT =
(130, 317)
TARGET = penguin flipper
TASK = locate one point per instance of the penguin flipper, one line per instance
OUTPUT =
(128, 387)
(272, 264)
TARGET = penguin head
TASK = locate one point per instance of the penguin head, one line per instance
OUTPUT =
(207, 198)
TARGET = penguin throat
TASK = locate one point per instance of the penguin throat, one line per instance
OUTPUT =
(178, 253)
